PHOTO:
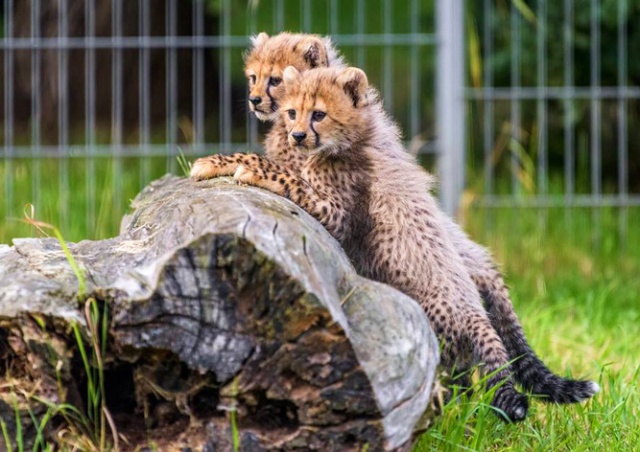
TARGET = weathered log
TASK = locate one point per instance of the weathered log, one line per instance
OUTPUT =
(220, 298)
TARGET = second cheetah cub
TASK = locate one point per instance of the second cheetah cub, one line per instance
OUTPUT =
(373, 197)
(265, 62)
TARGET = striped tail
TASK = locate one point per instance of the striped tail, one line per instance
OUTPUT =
(529, 370)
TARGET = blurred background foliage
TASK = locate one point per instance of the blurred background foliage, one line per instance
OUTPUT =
(556, 65)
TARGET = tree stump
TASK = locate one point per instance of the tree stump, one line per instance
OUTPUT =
(231, 310)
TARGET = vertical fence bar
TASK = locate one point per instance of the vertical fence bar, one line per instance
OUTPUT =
(8, 108)
(569, 144)
(596, 105)
(116, 105)
(414, 89)
(63, 118)
(171, 92)
(306, 16)
(89, 106)
(252, 121)
(387, 56)
(487, 117)
(360, 16)
(596, 184)
(541, 50)
(36, 176)
(623, 175)
(141, 175)
(146, 92)
(333, 16)
(515, 102)
(225, 76)
(279, 15)
(198, 77)
(450, 102)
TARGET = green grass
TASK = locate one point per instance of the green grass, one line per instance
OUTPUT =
(91, 207)
(574, 282)
(573, 278)
(83, 430)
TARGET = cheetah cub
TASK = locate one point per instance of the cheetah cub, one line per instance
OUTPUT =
(372, 196)
(264, 65)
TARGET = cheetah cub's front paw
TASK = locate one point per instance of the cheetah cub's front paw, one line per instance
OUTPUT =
(202, 169)
(257, 177)
(245, 175)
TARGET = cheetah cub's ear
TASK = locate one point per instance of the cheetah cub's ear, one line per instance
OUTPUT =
(315, 53)
(290, 76)
(257, 41)
(354, 82)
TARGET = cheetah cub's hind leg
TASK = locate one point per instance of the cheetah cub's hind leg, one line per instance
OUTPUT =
(490, 351)
(461, 377)
(529, 370)
(458, 382)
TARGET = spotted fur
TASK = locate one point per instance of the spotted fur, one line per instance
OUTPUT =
(361, 184)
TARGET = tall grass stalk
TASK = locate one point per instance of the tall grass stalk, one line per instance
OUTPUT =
(89, 429)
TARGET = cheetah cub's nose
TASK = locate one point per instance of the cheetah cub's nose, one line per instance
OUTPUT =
(299, 136)
(255, 100)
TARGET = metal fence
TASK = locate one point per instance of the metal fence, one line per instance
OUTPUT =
(555, 109)
(99, 97)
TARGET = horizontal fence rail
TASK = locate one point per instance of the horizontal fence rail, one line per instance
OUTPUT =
(189, 42)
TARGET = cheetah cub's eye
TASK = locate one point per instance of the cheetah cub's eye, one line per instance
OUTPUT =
(274, 81)
(252, 79)
(318, 115)
(292, 114)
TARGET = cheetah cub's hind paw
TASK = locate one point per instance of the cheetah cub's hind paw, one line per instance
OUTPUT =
(512, 406)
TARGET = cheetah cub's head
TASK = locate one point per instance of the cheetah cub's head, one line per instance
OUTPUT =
(267, 59)
(325, 109)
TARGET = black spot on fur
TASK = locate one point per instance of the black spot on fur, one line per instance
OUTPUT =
(351, 88)
(312, 55)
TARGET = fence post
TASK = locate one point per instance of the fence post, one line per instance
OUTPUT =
(450, 102)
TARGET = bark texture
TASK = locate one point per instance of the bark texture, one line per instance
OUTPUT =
(221, 299)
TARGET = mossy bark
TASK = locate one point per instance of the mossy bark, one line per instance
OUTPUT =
(221, 299)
